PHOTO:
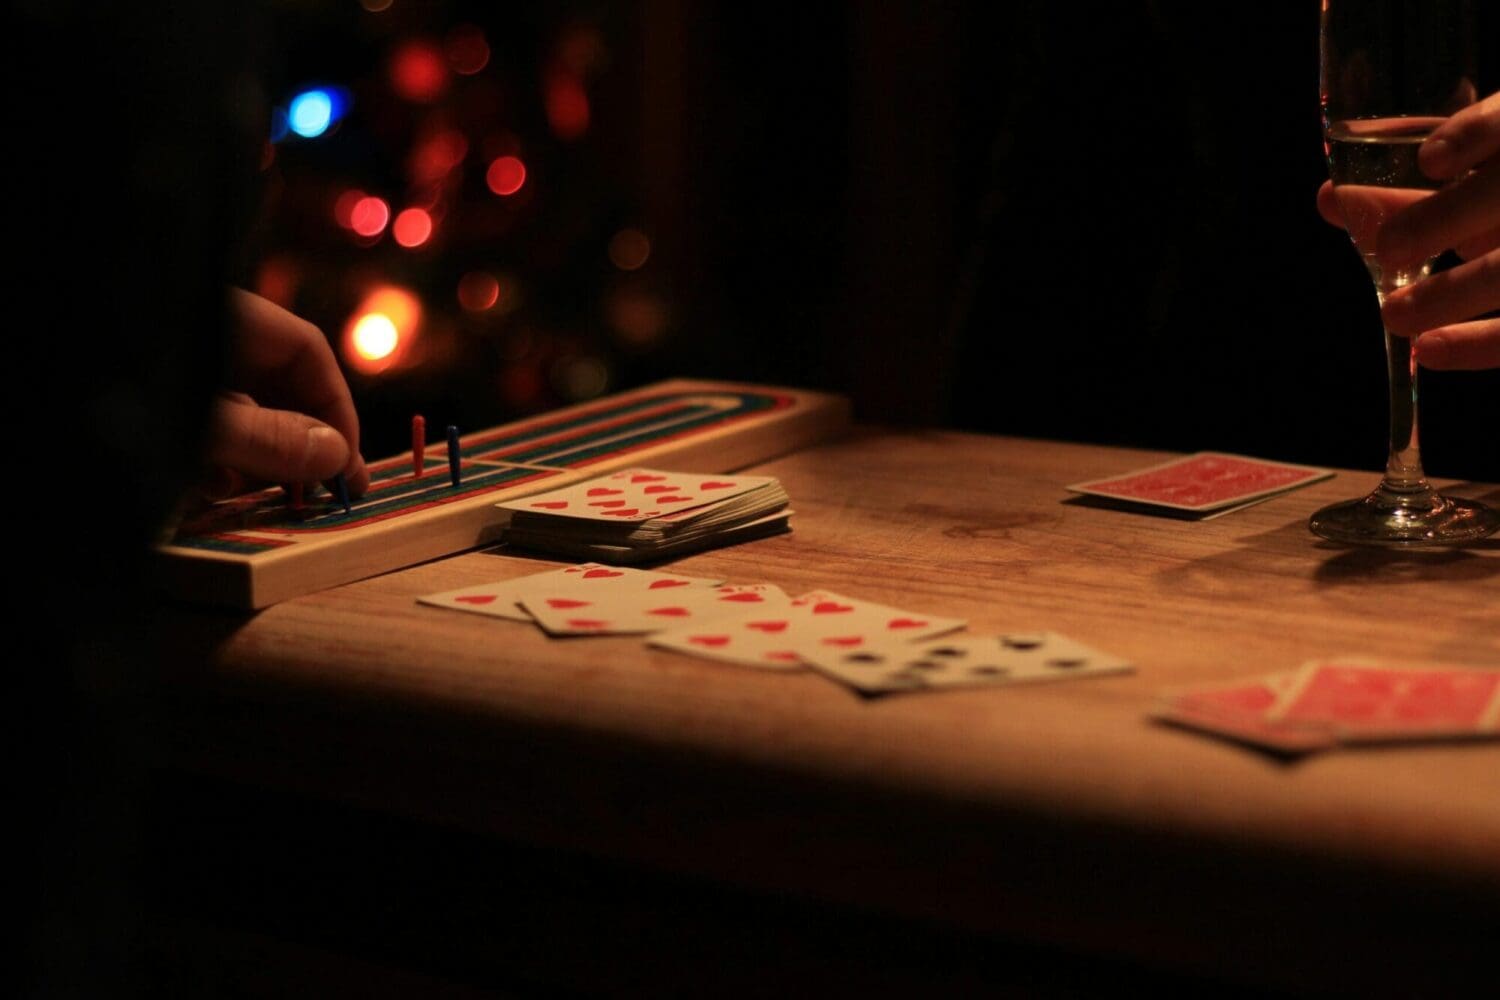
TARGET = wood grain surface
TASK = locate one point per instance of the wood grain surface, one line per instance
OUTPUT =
(1056, 813)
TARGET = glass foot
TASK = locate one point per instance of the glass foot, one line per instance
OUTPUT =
(1412, 519)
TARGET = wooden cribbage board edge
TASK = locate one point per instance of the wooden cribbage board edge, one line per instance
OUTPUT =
(254, 581)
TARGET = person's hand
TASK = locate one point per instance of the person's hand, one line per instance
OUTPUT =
(307, 429)
(1441, 310)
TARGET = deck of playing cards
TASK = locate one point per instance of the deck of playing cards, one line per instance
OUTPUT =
(641, 515)
(1347, 701)
(1202, 486)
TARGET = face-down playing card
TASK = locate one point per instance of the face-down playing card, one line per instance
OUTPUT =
(1236, 710)
(1207, 481)
(501, 599)
(964, 661)
(817, 620)
(1369, 701)
(637, 612)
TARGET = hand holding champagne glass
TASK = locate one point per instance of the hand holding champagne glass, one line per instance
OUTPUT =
(1396, 73)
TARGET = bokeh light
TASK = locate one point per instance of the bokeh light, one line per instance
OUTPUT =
(580, 377)
(467, 49)
(418, 71)
(506, 175)
(478, 291)
(375, 336)
(521, 385)
(278, 280)
(412, 227)
(629, 249)
(310, 113)
(567, 106)
(369, 216)
(381, 331)
(639, 317)
(343, 207)
(437, 154)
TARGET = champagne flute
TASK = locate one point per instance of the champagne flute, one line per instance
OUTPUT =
(1391, 71)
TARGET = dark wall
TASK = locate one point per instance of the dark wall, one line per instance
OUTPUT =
(1085, 222)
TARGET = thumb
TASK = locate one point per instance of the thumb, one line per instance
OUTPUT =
(277, 446)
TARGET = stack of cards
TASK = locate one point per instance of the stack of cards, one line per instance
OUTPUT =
(872, 648)
(1347, 701)
(1202, 486)
(640, 515)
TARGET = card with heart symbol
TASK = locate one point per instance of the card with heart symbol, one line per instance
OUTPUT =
(817, 620)
(634, 496)
(631, 611)
(502, 598)
(646, 514)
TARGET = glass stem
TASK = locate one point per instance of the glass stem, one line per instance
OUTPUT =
(1403, 464)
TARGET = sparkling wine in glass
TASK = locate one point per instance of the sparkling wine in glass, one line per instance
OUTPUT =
(1392, 71)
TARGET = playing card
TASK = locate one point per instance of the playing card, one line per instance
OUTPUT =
(1362, 700)
(1237, 710)
(635, 612)
(820, 619)
(635, 495)
(962, 661)
(681, 544)
(1203, 482)
(501, 598)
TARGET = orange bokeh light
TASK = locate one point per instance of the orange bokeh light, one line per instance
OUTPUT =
(369, 216)
(382, 330)
(506, 175)
(412, 227)
(629, 249)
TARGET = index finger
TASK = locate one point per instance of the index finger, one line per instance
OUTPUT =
(284, 360)
(1463, 141)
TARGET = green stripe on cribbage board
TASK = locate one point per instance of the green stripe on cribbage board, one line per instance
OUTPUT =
(236, 544)
(484, 445)
(582, 456)
(439, 493)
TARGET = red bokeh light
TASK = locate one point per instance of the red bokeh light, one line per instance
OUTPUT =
(478, 291)
(412, 227)
(567, 106)
(629, 249)
(369, 216)
(343, 207)
(468, 51)
(433, 157)
(506, 175)
(418, 71)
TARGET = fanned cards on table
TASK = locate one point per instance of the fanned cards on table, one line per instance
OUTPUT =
(1200, 487)
(640, 515)
(871, 648)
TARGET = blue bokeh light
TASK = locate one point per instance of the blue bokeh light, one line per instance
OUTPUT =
(310, 113)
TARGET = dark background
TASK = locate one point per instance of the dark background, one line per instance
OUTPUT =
(1091, 224)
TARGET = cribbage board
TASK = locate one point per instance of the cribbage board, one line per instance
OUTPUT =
(256, 550)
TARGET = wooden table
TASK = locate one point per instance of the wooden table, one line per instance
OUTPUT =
(1052, 814)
